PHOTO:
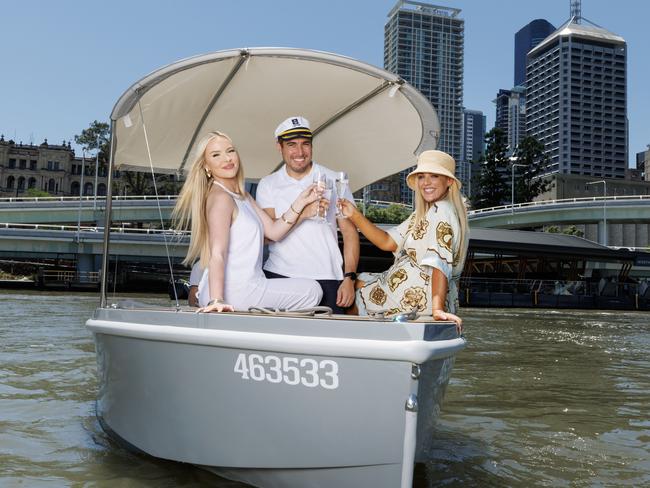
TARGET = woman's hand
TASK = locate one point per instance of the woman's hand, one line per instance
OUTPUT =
(347, 207)
(308, 195)
(449, 317)
(216, 307)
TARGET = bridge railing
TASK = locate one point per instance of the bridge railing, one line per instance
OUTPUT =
(563, 201)
(135, 198)
(87, 198)
(74, 228)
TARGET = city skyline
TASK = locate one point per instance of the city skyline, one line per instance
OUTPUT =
(51, 89)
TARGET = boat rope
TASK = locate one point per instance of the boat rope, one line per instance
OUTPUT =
(301, 312)
(160, 215)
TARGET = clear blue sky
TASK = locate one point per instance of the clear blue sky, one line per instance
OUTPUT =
(64, 64)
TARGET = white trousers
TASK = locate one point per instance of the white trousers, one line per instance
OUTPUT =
(281, 293)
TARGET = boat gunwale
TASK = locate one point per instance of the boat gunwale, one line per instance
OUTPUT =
(396, 349)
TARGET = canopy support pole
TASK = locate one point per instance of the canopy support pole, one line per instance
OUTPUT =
(244, 55)
(107, 219)
(343, 112)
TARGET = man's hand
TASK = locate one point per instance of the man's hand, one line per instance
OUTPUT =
(345, 293)
(192, 298)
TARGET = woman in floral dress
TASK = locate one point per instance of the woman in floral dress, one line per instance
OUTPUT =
(429, 247)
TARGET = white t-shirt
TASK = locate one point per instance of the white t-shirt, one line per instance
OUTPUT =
(196, 274)
(311, 249)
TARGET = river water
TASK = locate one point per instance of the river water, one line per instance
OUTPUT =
(539, 398)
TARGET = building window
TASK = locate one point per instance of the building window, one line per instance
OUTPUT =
(21, 184)
(74, 188)
(10, 182)
(50, 165)
(51, 186)
(23, 164)
(31, 183)
(32, 165)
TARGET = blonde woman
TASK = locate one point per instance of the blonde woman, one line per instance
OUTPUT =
(430, 246)
(228, 231)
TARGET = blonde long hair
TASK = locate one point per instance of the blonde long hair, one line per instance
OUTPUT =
(456, 199)
(189, 211)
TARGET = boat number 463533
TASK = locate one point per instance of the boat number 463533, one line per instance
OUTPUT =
(291, 371)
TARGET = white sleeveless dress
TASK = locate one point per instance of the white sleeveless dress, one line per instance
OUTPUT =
(244, 282)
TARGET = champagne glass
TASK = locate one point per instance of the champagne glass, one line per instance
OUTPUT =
(321, 181)
(342, 184)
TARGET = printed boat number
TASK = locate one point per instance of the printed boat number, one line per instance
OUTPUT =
(291, 371)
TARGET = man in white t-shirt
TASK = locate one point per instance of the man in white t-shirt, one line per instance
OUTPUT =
(311, 249)
(195, 278)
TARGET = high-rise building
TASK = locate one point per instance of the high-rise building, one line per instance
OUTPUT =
(473, 135)
(424, 44)
(473, 147)
(576, 100)
(527, 38)
(511, 115)
(643, 164)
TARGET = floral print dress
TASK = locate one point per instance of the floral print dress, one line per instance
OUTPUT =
(406, 285)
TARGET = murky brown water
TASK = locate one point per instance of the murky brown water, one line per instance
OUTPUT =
(539, 398)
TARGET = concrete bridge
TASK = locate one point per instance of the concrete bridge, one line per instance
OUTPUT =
(28, 230)
(627, 217)
(68, 210)
(84, 245)
(71, 210)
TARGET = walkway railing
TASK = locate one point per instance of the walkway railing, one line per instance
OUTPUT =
(602, 287)
(69, 276)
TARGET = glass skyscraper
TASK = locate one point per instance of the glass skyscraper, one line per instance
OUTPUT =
(527, 38)
(424, 44)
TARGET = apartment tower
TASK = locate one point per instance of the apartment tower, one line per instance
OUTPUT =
(424, 43)
(577, 100)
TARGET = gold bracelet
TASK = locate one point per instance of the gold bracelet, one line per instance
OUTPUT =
(287, 221)
(294, 210)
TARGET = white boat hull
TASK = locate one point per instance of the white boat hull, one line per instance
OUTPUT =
(274, 401)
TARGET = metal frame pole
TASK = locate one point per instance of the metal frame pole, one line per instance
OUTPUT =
(512, 186)
(107, 220)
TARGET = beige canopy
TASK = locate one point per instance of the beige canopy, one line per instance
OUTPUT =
(365, 120)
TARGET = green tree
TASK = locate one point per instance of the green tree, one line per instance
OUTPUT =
(572, 230)
(492, 190)
(137, 182)
(529, 184)
(97, 138)
(393, 214)
(34, 192)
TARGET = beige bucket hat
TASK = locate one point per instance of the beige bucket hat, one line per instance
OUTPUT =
(436, 162)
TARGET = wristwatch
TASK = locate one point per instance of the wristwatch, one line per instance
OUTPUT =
(352, 275)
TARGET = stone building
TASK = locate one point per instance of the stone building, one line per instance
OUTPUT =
(56, 169)
(47, 167)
